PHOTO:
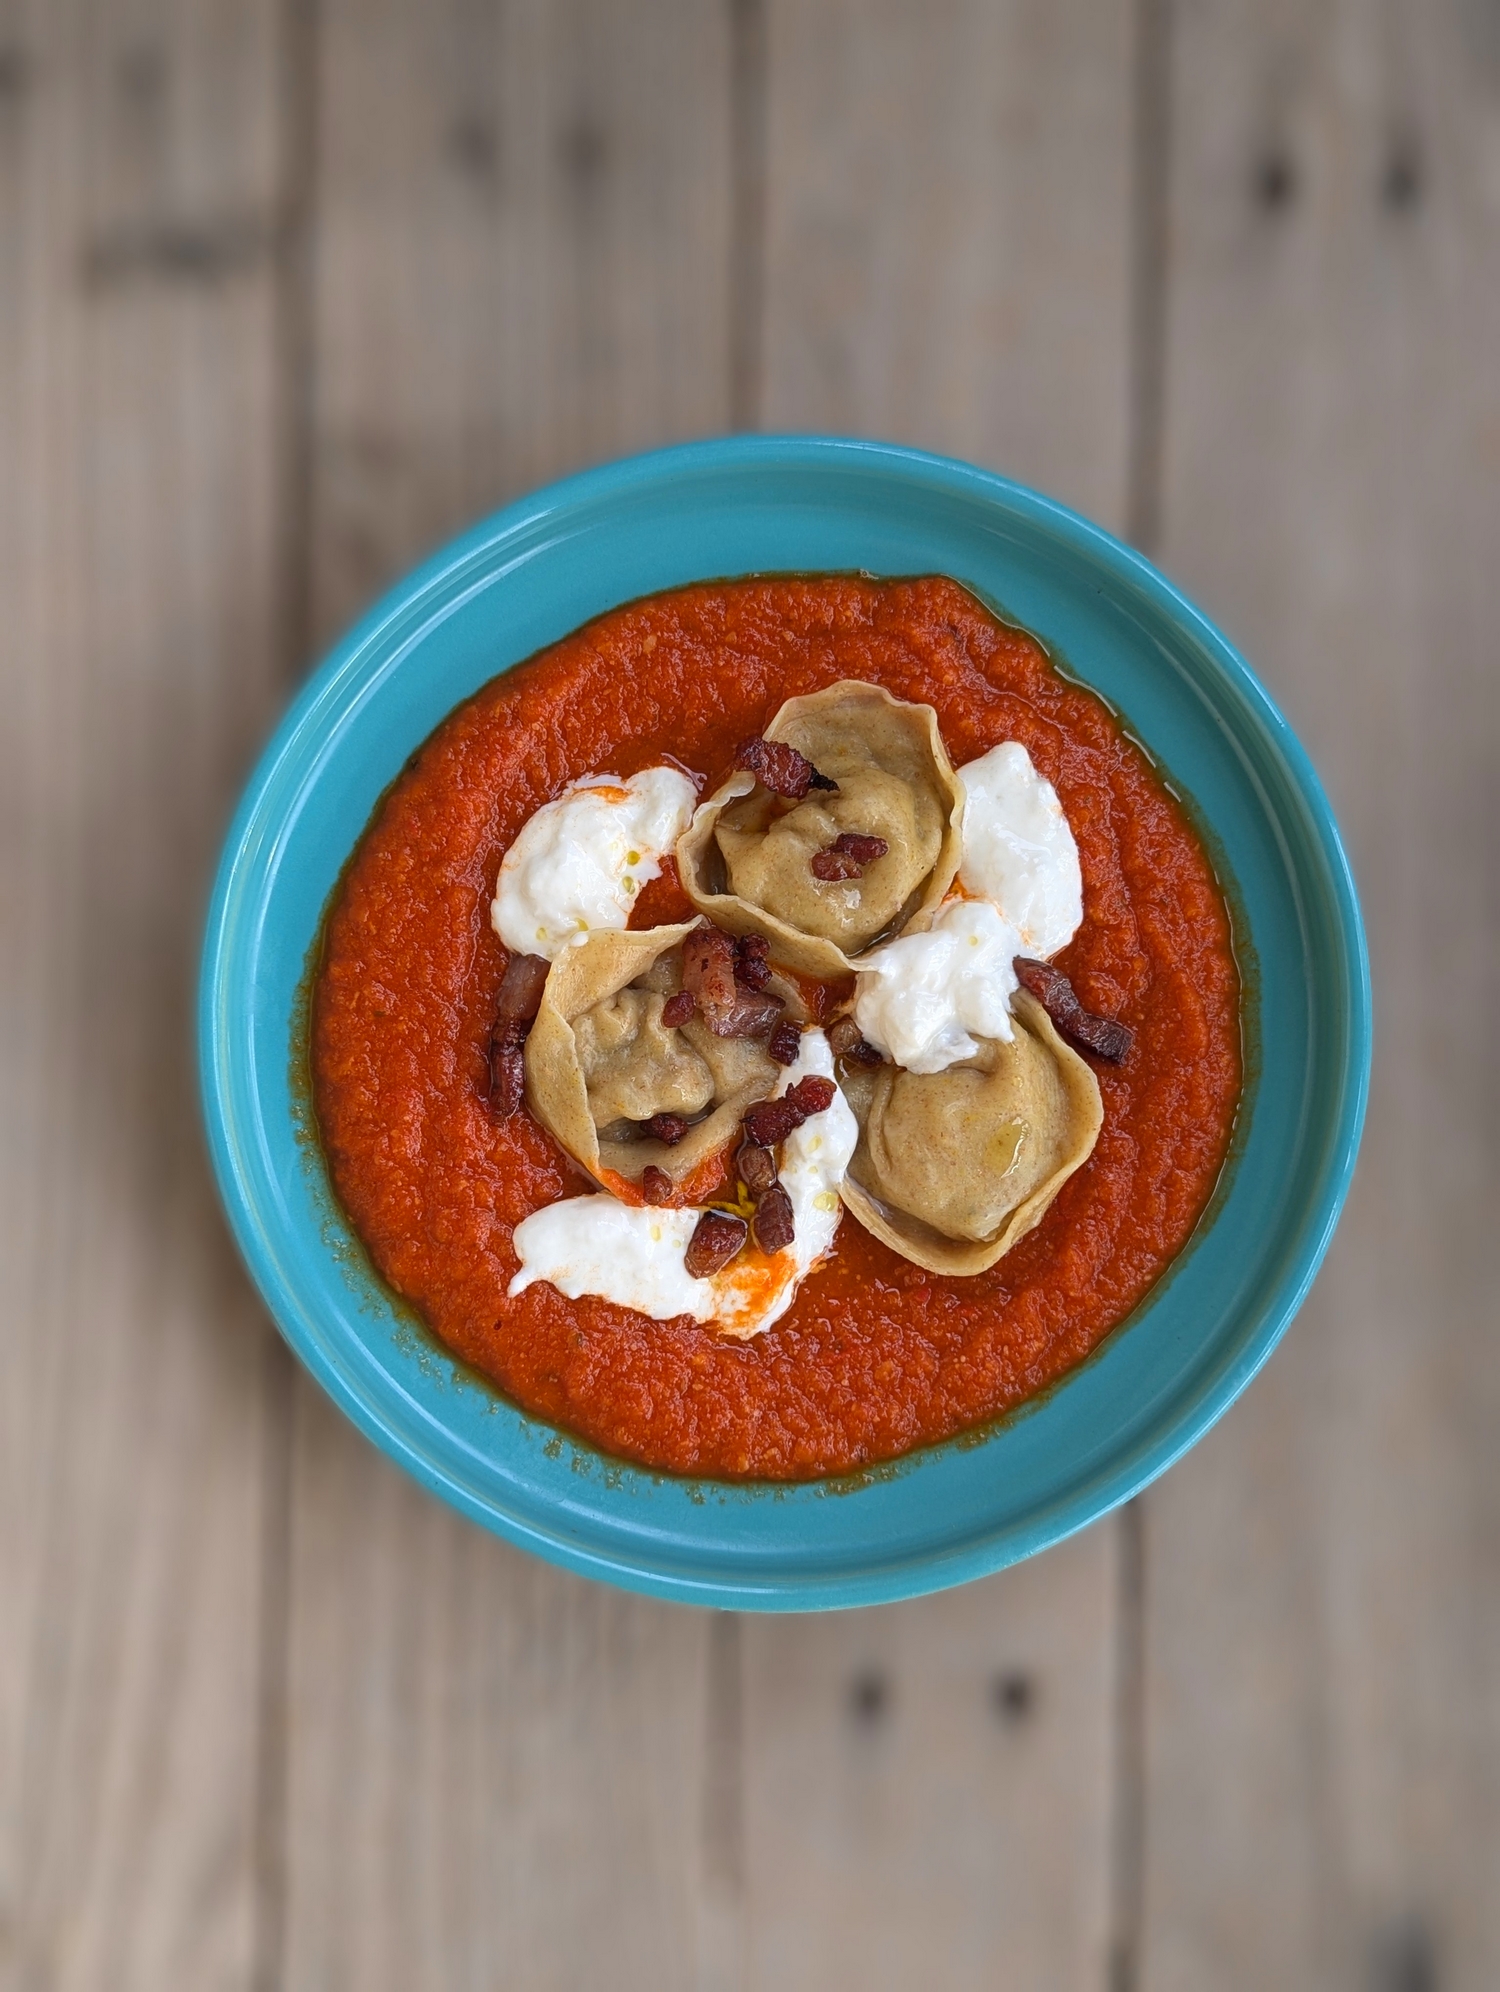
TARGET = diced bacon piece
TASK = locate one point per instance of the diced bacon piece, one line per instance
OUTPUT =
(774, 1225)
(781, 769)
(715, 1241)
(1106, 1037)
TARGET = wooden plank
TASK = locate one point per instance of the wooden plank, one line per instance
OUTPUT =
(141, 662)
(948, 197)
(1324, 1613)
(926, 1786)
(949, 235)
(524, 259)
(496, 1773)
(496, 1770)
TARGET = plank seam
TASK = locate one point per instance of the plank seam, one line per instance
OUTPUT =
(278, 1388)
(749, 56)
(1151, 170)
(295, 388)
(296, 354)
(1128, 1824)
(1149, 276)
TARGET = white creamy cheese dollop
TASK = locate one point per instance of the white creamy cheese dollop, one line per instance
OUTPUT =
(627, 1253)
(1018, 850)
(579, 862)
(918, 998)
(632, 1254)
(925, 998)
(814, 1158)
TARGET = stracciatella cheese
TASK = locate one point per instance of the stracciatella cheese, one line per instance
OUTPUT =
(814, 1158)
(1018, 850)
(579, 862)
(632, 1254)
(627, 1253)
(924, 999)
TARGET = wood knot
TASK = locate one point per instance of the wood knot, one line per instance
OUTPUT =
(1013, 1695)
(1273, 181)
(1401, 179)
(869, 1697)
(585, 151)
(15, 73)
(1404, 1957)
(473, 146)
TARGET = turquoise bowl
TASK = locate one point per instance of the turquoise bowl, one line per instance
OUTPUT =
(764, 505)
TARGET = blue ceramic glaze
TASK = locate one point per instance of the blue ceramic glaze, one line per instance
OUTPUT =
(761, 505)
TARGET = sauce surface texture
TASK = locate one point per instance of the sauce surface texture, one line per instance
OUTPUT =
(876, 1356)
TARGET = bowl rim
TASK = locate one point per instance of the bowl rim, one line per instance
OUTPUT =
(1137, 1466)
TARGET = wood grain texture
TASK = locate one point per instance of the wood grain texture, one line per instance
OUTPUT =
(949, 236)
(140, 661)
(497, 1770)
(523, 259)
(927, 1786)
(496, 1773)
(1324, 1611)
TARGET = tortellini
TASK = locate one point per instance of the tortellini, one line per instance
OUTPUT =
(747, 858)
(634, 1065)
(953, 1168)
(600, 1062)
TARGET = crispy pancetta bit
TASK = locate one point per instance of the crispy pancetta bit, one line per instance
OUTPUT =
(786, 1042)
(847, 856)
(751, 1017)
(752, 961)
(769, 1122)
(1106, 1037)
(813, 1095)
(515, 1010)
(756, 1168)
(781, 769)
(656, 1185)
(507, 1076)
(847, 1040)
(668, 1128)
(718, 1236)
(708, 973)
(774, 1226)
(677, 1009)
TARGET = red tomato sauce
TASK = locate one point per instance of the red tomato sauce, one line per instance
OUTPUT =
(875, 1356)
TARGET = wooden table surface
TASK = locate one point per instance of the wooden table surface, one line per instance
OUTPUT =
(289, 291)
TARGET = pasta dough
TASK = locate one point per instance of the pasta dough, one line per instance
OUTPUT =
(953, 1168)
